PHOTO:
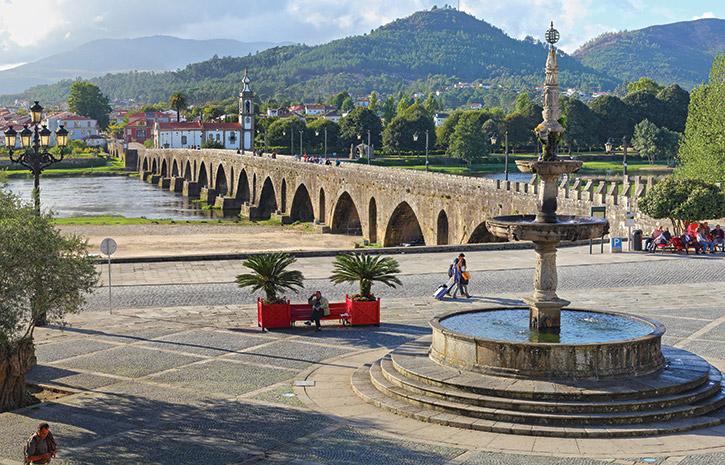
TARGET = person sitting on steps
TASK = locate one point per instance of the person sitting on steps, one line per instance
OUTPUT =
(320, 308)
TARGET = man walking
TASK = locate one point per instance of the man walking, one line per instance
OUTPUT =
(41, 447)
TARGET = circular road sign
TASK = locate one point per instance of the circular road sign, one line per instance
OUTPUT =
(108, 246)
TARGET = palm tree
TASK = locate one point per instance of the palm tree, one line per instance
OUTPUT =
(269, 274)
(178, 103)
(365, 269)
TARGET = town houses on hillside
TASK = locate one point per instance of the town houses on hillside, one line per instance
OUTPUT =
(140, 125)
(79, 127)
(193, 134)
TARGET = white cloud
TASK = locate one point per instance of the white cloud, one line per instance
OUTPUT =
(707, 14)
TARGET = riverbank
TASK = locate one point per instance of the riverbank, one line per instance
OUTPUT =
(112, 167)
(197, 238)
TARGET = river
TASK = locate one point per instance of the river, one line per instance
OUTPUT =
(112, 195)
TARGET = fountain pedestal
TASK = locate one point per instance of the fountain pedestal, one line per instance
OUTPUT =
(545, 306)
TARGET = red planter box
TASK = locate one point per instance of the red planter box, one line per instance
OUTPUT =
(363, 313)
(271, 316)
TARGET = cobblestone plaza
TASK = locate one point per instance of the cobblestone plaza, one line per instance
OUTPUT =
(179, 372)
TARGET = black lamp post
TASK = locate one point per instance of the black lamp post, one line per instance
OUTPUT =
(317, 134)
(415, 139)
(494, 139)
(624, 155)
(35, 143)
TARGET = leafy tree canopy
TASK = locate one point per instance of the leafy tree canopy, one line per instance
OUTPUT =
(644, 83)
(355, 126)
(86, 99)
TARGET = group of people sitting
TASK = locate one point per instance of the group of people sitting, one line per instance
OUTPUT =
(698, 236)
(313, 159)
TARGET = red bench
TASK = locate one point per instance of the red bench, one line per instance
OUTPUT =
(303, 312)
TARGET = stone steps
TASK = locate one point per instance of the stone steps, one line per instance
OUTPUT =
(384, 395)
(684, 372)
(411, 385)
(701, 407)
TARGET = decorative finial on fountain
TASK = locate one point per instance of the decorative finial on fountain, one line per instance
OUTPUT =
(549, 131)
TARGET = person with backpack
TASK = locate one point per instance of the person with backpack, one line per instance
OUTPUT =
(461, 277)
(41, 446)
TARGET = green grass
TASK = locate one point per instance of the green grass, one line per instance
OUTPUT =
(114, 167)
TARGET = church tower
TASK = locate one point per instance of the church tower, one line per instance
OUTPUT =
(246, 114)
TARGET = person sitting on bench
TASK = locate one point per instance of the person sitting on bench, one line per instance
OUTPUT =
(320, 308)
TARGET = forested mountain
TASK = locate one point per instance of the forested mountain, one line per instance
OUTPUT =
(441, 45)
(99, 57)
(679, 53)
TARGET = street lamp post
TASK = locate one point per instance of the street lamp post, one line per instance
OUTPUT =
(505, 154)
(300, 143)
(624, 155)
(317, 134)
(35, 144)
(291, 141)
(415, 139)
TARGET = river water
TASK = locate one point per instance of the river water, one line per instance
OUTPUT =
(112, 195)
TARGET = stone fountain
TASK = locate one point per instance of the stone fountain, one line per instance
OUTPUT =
(542, 369)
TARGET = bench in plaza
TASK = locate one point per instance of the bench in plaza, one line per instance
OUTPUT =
(303, 312)
(350, 313)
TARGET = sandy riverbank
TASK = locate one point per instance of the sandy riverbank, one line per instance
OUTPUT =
(195, 239)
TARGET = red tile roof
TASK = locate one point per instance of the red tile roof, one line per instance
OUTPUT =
(192, 125)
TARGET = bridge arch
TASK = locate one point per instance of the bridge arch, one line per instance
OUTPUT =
(442, 237)
(373, 221)
(345, 217)
(283, 196)
(403, 227)
(145, 166)
(188, 174)
(220, 183)
(175, 168)
(203, 177)
(254, 188)
(154, 166)
(481, 234)
(321, 210)
(242, 194)
(301, 208)
(164, 169)
(267, 200)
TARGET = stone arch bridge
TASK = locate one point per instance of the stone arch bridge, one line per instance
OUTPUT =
(384, 205)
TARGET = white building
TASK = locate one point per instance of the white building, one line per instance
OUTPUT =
(440, 118)
(78, 127)
(193, 134)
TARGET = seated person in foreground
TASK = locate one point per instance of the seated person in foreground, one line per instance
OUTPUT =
(650, 242)
(320, 308)
(663, 239)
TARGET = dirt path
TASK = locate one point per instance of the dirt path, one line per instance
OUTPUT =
(195, 239)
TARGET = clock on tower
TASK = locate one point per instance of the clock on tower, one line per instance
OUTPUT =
(246, 114)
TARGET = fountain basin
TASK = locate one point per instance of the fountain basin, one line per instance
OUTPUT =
(611, 345)
(549, 168)
(566, 228)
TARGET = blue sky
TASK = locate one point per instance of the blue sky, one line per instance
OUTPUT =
(59, 25)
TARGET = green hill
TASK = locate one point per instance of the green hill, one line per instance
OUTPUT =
(441, 46)
(679, 53)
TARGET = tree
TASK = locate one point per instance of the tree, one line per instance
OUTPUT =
(683, 200)
(404, 102)
(521, 130)
(643, 84)
(338, 99)
(86, 99)
(389, 109)
(365, 270)
(398, 135)
(431, 104)
(177, 101)
(581, 123)
(675, 101)
(283, 131)
(42, 273)
(357, 123)
(373, 104)
(523, 104)
(347, 105)
(703, 151)
(645, 105)
(614, 118)
(645, 139)
(468, 141)
(270, 274)
(316, 134)
(445, 131)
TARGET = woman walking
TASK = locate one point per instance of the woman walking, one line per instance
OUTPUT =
(461, 277)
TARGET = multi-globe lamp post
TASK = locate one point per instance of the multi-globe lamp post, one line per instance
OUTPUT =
(317, 134)
(35, 144)
(494, 139)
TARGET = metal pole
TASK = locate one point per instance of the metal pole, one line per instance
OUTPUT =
(292, 142)
(370, 153)
(300, 143)
(426, 150)
(624, 158)
(325, 143)
(110, 300)
(506, 156)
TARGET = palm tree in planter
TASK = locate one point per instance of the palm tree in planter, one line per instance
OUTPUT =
(270, 274)
(364, 269)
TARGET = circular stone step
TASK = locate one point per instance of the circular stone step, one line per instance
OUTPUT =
(452, 394)
(701, 407)
(683, 372)
(364, 388)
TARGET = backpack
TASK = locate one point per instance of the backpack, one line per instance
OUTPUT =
(452, 267)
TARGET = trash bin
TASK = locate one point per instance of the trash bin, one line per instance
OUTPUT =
(637, 240)
(616, 245)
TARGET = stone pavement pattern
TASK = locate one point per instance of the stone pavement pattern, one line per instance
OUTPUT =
(196, 382)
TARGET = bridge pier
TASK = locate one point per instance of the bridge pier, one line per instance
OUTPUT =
(208, 195)
(227, 204)
(164, 183)
(190, 189)
(176, 184)
(153, 178)
(145, 175)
